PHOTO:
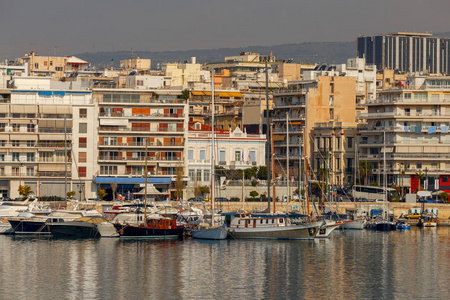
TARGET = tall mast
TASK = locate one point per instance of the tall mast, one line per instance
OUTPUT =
(213, 173)
(384, 169)
(306, 173)
(65, 159)
(287, 162)
(268, 139)
(273, 168)
(146, 180)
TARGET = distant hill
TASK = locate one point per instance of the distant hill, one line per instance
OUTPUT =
(318, 52)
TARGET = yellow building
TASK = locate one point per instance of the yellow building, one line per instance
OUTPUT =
(138, 64)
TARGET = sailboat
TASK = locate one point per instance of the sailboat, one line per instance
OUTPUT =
(158, 227)
(205, 230)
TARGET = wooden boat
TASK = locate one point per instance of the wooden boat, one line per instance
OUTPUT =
(161, 228)
(245, 226)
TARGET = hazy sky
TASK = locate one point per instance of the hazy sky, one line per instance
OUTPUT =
(68, 27)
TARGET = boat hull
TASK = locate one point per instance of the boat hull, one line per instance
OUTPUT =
(29, 227)
(353, 225)
(150, 233)
(325, 230)
(216, 233)
(74, 229)
(292, 232)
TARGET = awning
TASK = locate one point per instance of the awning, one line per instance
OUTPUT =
(30, 109)
(196, 93)
(52, 167)
(4, 108)
(16, 109)
(151, 190)
(48, 109)
(132, 180)
(24, 137)
(279, 137)
(23, 121)
(224, 95)
(64, 110)
(235, 95)
(51, 137)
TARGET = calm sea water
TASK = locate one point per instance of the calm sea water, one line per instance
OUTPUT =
(351, 264)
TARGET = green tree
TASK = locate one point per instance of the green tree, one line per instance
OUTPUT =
(201, 190)
(185, 94)
(101, 193)
(249, 173)
(24, 191)
(365, 169)
(444, 196)
(254, 194)
(71, 194)
(420, 175)
(262, 173)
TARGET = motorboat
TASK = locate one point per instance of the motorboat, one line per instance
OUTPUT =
(428, 219)
(207, 232)
(401, 224)
(84, 227)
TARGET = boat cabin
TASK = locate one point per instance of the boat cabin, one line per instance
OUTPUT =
(252, 221)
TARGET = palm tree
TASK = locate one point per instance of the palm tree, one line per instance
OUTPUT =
(402, 172)
(420, 175)
(365, 169)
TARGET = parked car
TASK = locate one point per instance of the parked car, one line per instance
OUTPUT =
(378, 200)
(362, 200)
(192, 199)
(220, 199)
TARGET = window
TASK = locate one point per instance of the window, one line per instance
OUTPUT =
(58, 68)
(206, 175)
(82, 142)
(407, 95)
(338, 143)
(83, 113)
(140, 82)
(2, 127)
(191, 154)
(191, 175)
(338, 163)
(2, 171)
(15, 171)
(36, 65)
(252, 155)
(15, 143)
(30, 127)
(237, 155)
(81, 171)
(30, 171)
(30, 156)
(202, 154)
(83, 128)
(349, 142)
(2, 157)
(16, 127)
(222, 155)
(15, 156)
(31, 143)
(82, 157)
(419, 166)
(445, 179)
(199, 175)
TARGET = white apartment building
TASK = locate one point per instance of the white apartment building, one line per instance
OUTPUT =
(415, 119)
(33, 129)
(234, 150)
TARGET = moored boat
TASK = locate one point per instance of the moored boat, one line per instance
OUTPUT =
(85, 227)
(158, 228)
(244, 226)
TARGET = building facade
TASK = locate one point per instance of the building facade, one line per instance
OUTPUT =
(406, 52)
(410, 125)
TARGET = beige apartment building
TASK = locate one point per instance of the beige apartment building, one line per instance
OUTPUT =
(329, 98)
(410, 123)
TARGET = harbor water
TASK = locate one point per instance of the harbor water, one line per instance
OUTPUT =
(350, 264)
